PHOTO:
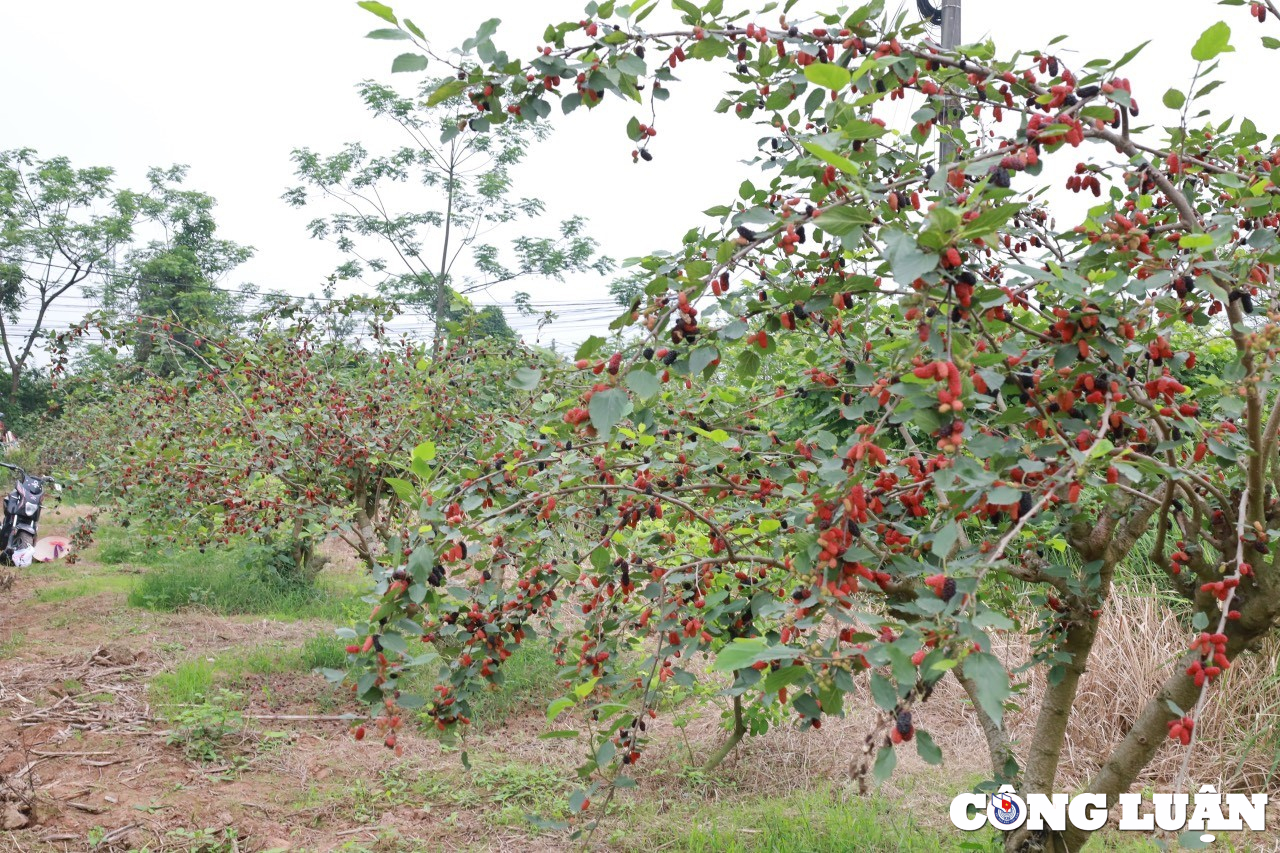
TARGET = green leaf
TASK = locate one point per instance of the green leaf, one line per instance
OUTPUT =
(382, 10)
(884, 692)
(584, 689)
(388, 34)
(1270, 43)
(445, 91)
(425, 451)
(906, 260)
(403, 488)
(644, 382)
(842, 163)
(1173, 99)
(700, 359)
(589, 347)
(992, 682)
(558, 707)
(843, 220)
(1212, 42)
(944, 539)
(860, 129)
(1004, 495)
(413, 62)
(1124, 60)
(783, 677)
(743, 652)
(1195, 241)
(526, 379)
(927, 749)
(886, 761)
(607, 408)
(827, 75)
(394, 643)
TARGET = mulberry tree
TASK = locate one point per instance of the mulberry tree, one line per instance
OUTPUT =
(872, 408)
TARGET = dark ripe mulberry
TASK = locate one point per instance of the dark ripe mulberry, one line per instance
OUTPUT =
(948, 589)
(904, 726)
(462, 549)
(1087, 92)
(645, 155)
(436, 578)
(1000, 178)
(746, 233)
(648, 353)
(1246, 302)
(670, 358)
(1024, 504)
(640, 52)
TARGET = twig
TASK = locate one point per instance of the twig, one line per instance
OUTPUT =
(85, 807)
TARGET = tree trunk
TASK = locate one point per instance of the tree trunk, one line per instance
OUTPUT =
(735, 737)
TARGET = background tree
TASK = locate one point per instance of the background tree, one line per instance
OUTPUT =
(469, 176)
(175, 276)
(1008, 389)
(58, 225)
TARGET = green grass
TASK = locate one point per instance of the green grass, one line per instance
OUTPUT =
(222, 582)
(821, 820)
(274, 658)
(188, 684)
(85, 586)
(530, 678)
(323, 652)
(12, 643)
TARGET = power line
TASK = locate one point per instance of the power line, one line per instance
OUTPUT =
(106, 273)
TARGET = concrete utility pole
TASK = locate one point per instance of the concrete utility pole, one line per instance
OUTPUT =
(950, 106)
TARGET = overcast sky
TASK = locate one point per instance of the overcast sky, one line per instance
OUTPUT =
(231, 88)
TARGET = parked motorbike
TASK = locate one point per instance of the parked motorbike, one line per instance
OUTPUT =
(22, 507)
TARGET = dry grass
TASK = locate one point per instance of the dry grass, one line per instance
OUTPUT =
(1138, 648)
